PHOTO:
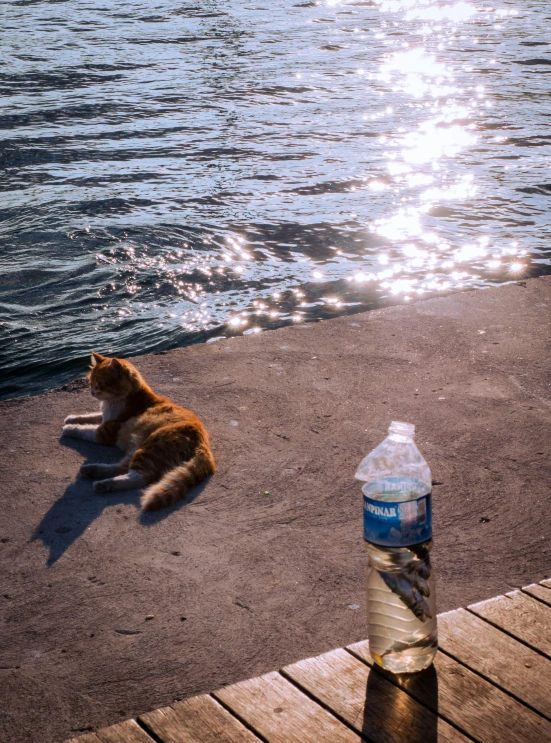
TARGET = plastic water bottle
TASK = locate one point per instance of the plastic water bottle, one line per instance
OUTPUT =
(401, 602)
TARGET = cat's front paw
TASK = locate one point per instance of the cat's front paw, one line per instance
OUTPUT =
(103, 486)
(71, 419)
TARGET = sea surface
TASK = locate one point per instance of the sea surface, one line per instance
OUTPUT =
(175, 172)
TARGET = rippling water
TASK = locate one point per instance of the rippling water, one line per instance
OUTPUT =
(175, 172)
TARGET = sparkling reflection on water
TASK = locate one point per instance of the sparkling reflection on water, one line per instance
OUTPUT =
(185, 171)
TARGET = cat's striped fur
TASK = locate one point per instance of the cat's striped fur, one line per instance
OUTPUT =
(167, 447)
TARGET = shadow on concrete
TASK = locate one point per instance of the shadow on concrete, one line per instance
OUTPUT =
(387, 708)
(79, 506)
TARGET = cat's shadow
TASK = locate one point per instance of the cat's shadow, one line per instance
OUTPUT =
(79, 506)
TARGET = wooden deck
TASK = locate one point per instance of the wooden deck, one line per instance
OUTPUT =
(491, 682)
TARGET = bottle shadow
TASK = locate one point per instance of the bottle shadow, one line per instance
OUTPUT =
(79, 506)
(399, 713)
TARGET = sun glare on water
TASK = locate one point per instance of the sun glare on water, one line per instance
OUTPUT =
(416, 171)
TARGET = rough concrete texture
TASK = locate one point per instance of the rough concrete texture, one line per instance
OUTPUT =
(107, 614)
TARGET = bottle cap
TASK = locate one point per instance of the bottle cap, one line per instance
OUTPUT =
(402, 429)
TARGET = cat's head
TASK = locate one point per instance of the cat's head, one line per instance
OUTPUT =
(112, 379)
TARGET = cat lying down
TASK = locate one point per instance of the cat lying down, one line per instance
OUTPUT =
(167, 447)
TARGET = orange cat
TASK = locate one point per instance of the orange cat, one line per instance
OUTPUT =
(167, 447)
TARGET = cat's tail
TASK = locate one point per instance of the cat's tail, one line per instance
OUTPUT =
(178, 482)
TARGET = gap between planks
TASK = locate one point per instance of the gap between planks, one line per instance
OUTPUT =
(282, 713)
(199, 719)
(539, 592)
(520, 616)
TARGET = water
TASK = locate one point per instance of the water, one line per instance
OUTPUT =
(181, 171)
(401, 640)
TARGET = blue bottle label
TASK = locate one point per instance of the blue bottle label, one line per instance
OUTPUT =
(397, 524)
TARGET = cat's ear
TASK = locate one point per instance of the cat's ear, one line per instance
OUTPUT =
(115, 365)
(96, 358)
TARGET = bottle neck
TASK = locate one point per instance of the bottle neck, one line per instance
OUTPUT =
(403, 431)
(399, 437)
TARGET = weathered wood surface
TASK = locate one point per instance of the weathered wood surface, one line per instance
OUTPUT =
(524, 617)
(282, 713)
(197, 720)
(498, 657)
(546, 582)
(469, 702)
(369, 702)
(539, 592)
(126, 732)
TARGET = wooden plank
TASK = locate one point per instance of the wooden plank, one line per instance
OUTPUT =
(497, 656)
(197, 720)
(281, 713)
(369, 702)
(520, 615)
(468, 701)
(125, 732)
(546, 582)
(539, 592)
(86, 738)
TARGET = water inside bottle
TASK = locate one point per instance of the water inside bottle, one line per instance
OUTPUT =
(401, 601)
(401, 617)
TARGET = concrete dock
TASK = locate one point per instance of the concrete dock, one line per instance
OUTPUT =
(106, 614)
